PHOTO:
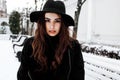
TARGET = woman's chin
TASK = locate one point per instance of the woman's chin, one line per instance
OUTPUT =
(52, 35)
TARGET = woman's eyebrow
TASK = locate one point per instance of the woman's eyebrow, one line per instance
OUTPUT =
(55, 18)
(47, 18)
(59, 19)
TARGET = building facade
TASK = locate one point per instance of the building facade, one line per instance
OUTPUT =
(3, 9)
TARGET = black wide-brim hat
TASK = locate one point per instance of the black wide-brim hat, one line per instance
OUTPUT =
(55, 7)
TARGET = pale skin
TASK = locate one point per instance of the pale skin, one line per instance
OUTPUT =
(52, 23)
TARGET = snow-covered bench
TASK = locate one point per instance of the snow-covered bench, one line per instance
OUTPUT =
(18, 45)
(102, 50)
(101, 68)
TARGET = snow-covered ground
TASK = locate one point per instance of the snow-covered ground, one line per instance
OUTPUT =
(96, 67)
(8, 62)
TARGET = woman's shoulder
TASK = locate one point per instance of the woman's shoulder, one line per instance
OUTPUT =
(75, 45)
(75, 42)
(29, 40)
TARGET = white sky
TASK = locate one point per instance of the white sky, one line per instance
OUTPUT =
(16, 4)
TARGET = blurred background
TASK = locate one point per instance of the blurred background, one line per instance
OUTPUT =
(96, 20)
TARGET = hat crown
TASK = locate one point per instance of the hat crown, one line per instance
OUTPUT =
(54, 6)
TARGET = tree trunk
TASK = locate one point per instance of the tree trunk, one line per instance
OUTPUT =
(77, 13)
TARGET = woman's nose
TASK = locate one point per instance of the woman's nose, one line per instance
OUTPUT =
(52, 24)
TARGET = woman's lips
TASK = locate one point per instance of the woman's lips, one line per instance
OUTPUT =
(52, 31)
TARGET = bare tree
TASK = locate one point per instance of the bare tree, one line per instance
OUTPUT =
(77, 13)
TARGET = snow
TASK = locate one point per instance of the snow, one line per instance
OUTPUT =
(96, 67)
(105, 68)
(8, 61)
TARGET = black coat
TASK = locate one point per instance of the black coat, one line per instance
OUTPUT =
(71, 68)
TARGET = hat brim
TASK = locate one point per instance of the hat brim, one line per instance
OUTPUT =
(34, 16)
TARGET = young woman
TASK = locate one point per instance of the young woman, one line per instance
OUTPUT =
(51, 54)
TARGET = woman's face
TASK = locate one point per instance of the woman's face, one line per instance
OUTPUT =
(52, 23)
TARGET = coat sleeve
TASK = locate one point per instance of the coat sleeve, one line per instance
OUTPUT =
(77, 67)
(22, 73)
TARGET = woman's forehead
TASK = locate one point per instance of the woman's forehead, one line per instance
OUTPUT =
(52, 15)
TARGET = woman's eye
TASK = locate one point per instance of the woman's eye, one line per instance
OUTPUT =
(47, 20)
(58, 20)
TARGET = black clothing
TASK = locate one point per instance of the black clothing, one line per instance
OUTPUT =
(71, 67)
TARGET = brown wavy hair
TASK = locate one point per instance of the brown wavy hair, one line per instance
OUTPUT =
(39, 45)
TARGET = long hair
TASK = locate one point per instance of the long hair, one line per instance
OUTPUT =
(39, 45)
